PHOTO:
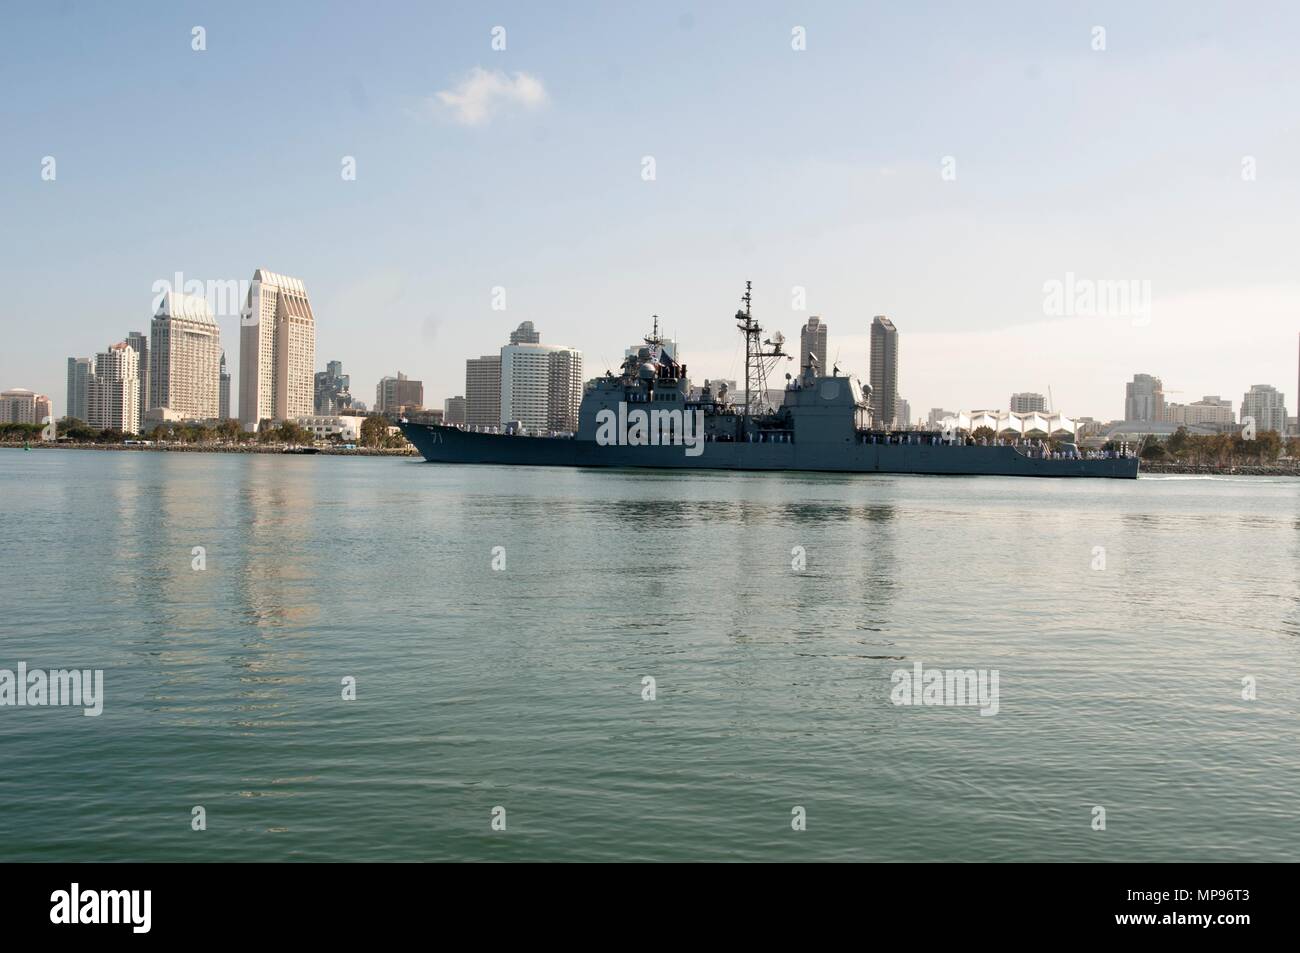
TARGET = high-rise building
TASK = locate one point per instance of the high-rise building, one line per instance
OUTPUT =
(277, 351)
(902, 412)
(483, 391)
(812, 343)
(565, 390)
(1267, 406)
(393, 394)
(541, 386)
(1024, 402)
(525, 334)
(223, 403)
(114, 393)
(1210, 410)
(453, 410)
(80, 372)
(332, 390)
(184, 358)
(884, 371)
(139, 342)
(1144, 398)
(22, 406)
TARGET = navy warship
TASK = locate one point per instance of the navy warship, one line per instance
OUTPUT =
(649, 416)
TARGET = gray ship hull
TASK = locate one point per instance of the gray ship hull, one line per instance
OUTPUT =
(440, 444)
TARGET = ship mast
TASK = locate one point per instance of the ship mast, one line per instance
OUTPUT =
(756, 358)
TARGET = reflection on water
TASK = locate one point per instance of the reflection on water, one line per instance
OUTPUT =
(523, 687)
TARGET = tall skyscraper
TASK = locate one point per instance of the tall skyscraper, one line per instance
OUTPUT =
(223, 408)
(114, 393)
(80, 372)
(1025, 402)
(1267, 406)
(185, 358)
(902, 412)
(453, 410)
(394, 393)
(483, 391)
(525, 334)
(812, 342)
(139, 342)
(333, 390)
(565, 389)
(277, 351)
(1144, 398)
(884, 371)
(541, 386)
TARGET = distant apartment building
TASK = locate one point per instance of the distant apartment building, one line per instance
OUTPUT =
(1267, 406)
(525, 334)
(1144, 398)
(139, 342)
(541, 386)
(277, 351)
(884, 371)
(114, 394)
(223, 402)
(903, 412)
(333, 390)
(1209, 411)
(80, 371)
(812, 346)
(934, 420)
(184, 359)
(453, 411)
(483, 391)
(393, 394)
(22, 406)
(1024, 402)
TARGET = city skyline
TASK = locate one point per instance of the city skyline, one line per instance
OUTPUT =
(856, 217)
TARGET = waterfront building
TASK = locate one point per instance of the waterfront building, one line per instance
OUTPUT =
(184, 358)
(1024, 402)
(934, 420)
(80, 372)
(277, 351)
(323, 426)
(812, 344)
(884, 371)
(1144, 398)
(1005, 423)
(541, 386)
(139, 342)
(1267, 406)
(453, 410)
(903, 412)
(1210, 410)
(392, 394)
(483, 391)
(113, 398)
(22, 406)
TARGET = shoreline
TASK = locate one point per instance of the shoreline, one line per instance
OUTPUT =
(272, 448)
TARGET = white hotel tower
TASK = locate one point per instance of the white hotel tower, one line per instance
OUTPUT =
(184, 358)
(277, 351)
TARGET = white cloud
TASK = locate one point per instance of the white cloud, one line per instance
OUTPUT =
(481, 94)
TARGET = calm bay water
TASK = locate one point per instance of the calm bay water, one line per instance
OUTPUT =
(522, 688)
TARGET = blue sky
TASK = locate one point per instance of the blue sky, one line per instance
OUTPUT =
(818, 169)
